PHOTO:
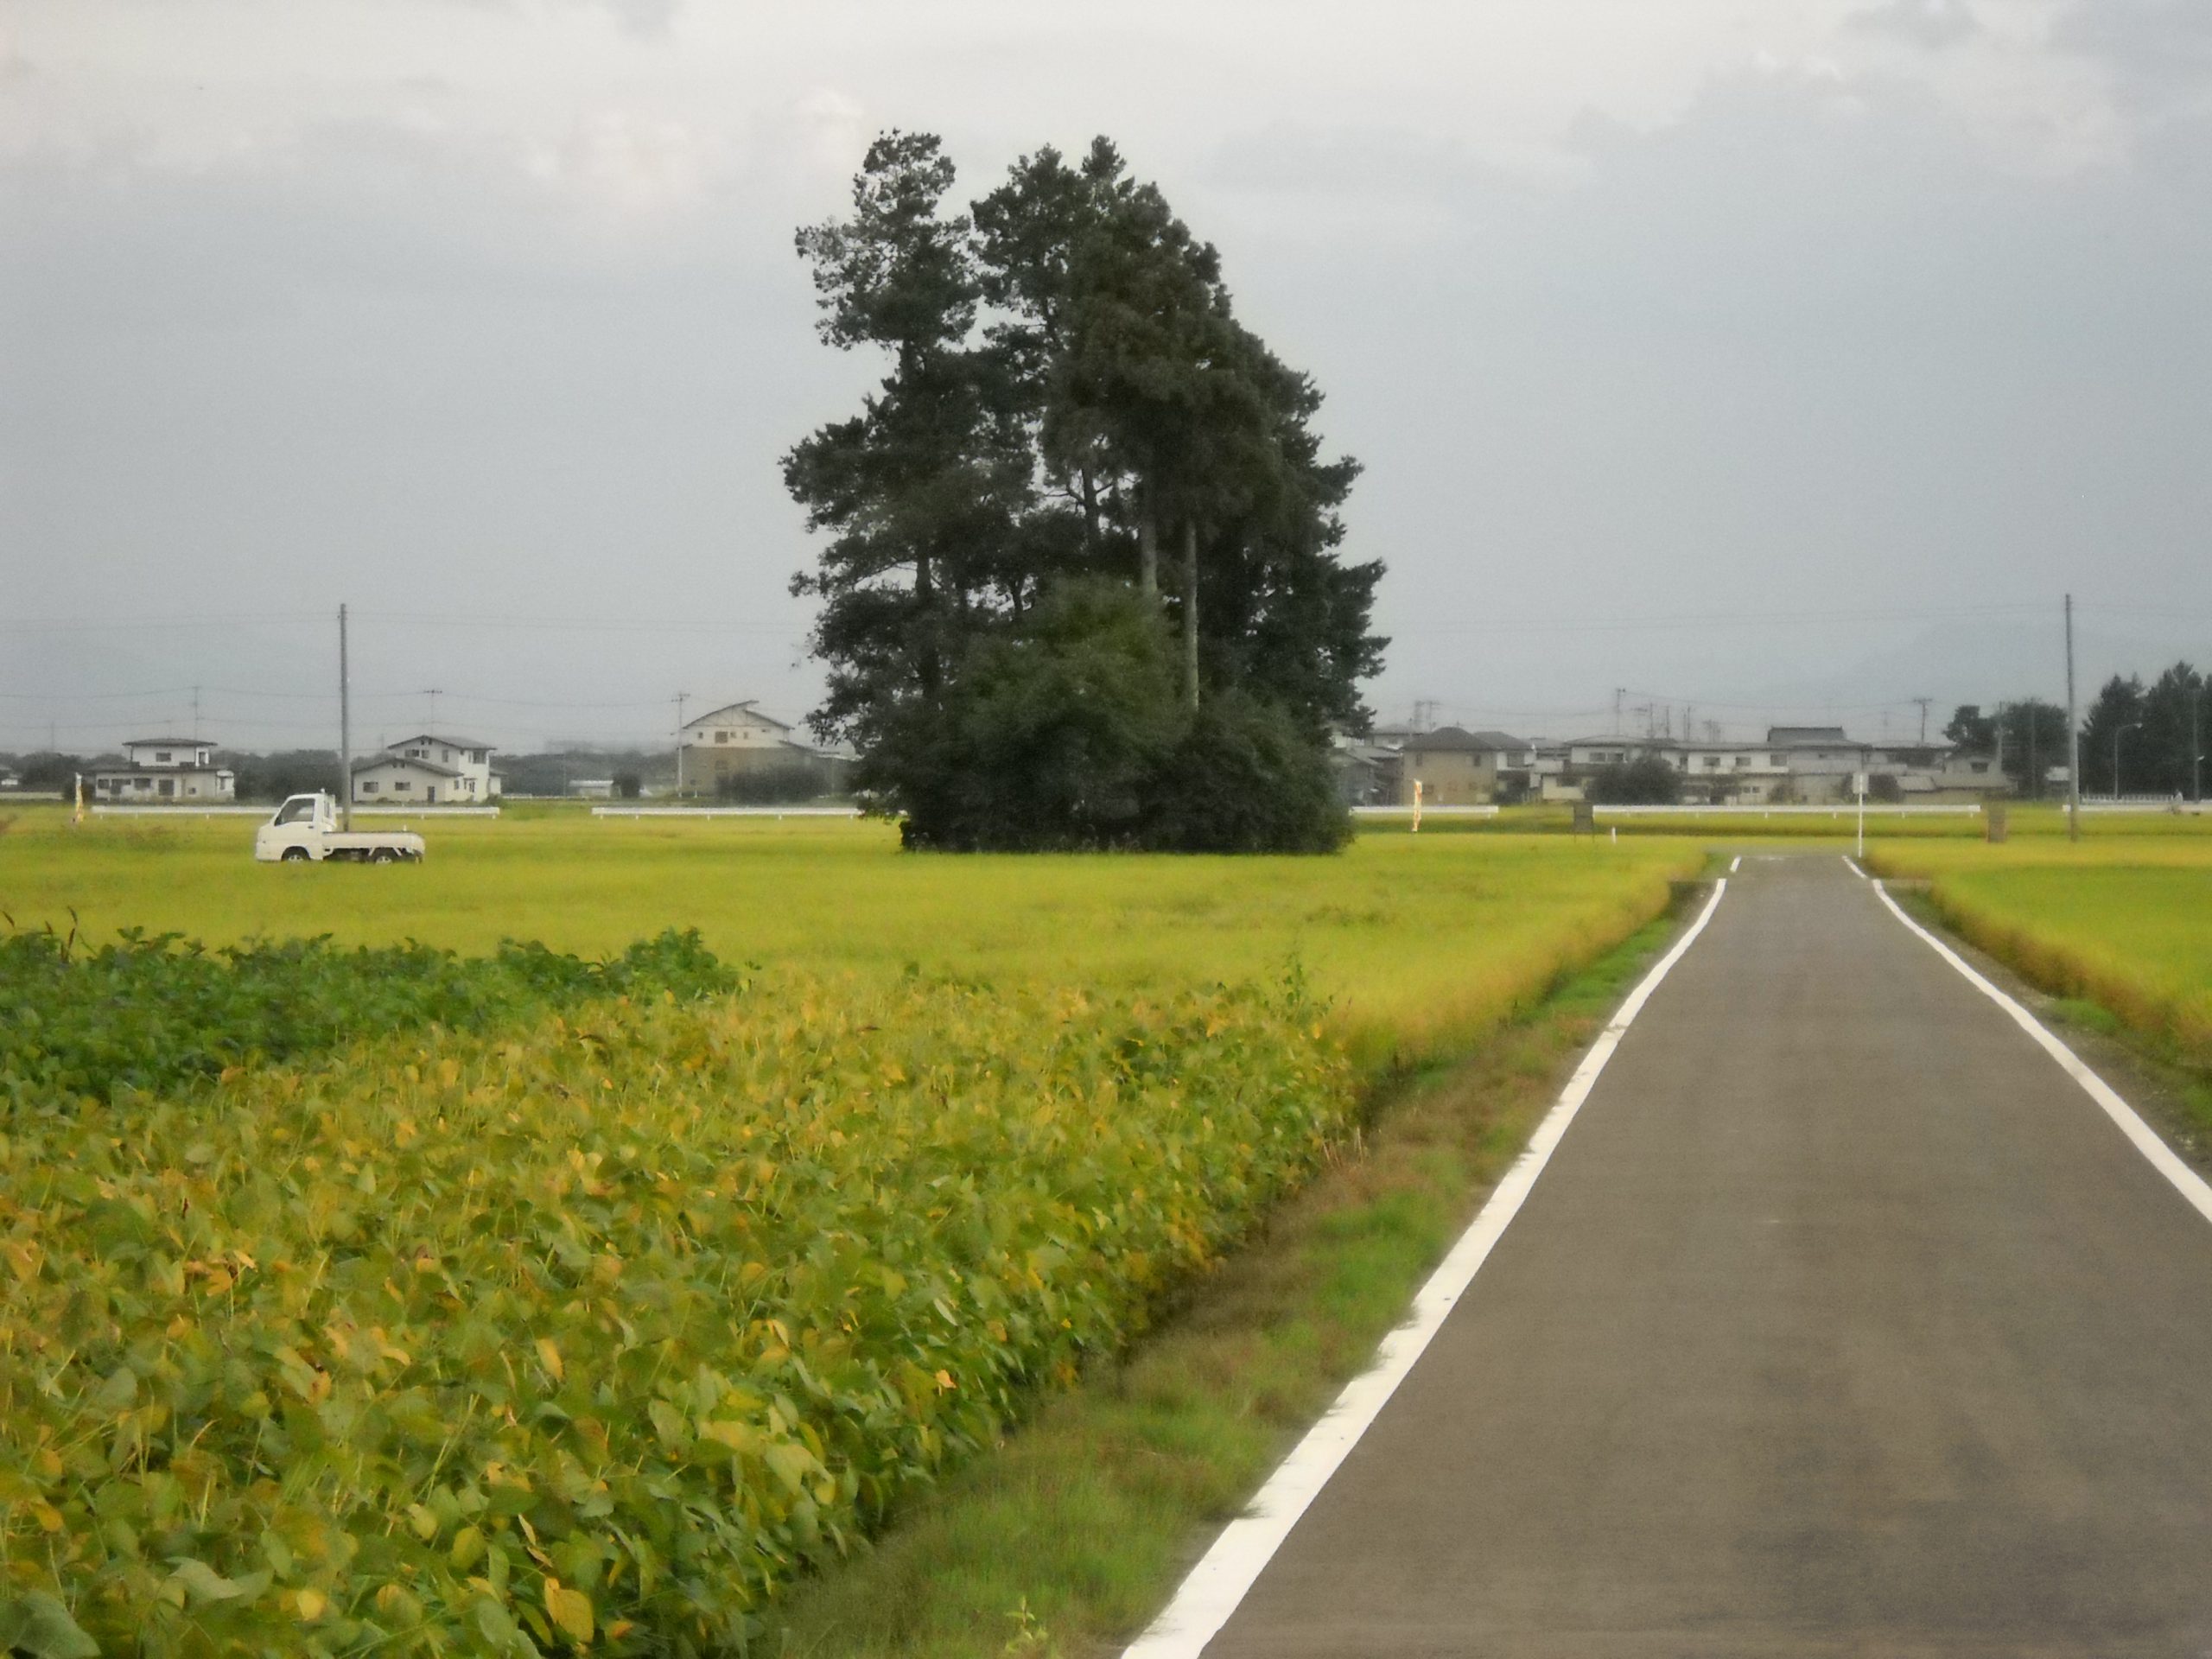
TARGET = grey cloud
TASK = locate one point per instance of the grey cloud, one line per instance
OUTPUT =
(2159, 51)
(1804, 347)
(1933, 23)
(1807, 347)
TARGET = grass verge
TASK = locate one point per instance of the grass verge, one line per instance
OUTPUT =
(1066, 1541)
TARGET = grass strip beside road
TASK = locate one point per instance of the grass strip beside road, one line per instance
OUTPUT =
(2102, 923)
(1067, 1540)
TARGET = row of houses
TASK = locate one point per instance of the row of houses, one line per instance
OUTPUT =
(1809, 764)
(423, 769)
(438, 769)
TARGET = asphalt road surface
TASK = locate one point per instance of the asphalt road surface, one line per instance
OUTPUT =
(1841, 1322)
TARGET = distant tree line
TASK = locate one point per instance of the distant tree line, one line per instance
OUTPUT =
(2136, 738)
(1082, 582)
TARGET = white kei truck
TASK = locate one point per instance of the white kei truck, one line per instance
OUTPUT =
(306, 828)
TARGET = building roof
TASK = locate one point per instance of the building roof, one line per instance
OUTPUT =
(168, 743)
(745, 709)
(1794, 737)
(433, 737)
(407, 760)
(1453, 740)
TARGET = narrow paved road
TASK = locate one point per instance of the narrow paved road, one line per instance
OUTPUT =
(1841, 1322)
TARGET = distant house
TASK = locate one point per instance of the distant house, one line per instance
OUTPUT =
(1456, 767)
(427, 770)
(1366, 771)
(592, 789)
(738, 738)
(155, 769)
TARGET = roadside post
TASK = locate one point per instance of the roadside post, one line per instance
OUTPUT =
(1416, 806)
(1859, 788)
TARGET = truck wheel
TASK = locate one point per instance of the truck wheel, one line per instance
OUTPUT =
(296, 856)
(384, 856)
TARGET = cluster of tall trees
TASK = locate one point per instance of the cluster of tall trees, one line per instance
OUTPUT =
(1082, 582)
(2136, 740)
(2139, 740)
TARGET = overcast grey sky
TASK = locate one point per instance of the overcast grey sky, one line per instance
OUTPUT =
(1757, 354)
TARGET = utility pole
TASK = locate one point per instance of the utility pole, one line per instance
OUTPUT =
(196, 713)
(345, 732)
(1924, 703)
(2197, 745)
(434, 710)
(2073, 738)
(2119, 732)
(1997, 726)
(682, 697)
(1620, 692)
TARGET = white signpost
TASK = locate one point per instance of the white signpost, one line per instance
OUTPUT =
(1859, 788)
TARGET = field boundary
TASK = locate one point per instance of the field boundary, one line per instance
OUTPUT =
(2161, 1157)
(725, 812)
(1225, 1573)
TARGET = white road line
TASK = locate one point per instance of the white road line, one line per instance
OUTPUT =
(1855, 868)
(2185, 1180)
(1223, 1575)
(1735, 864)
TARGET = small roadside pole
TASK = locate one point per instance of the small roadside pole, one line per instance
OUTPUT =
(345, 733)
(2074, 739)
(1859, 788)
(1416, 806)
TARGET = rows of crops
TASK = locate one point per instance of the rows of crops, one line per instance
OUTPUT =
(148, 1014)
(593, 1332)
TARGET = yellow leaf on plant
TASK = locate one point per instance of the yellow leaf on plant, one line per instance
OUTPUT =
(569, 1610)
(311, 1605)
(944, 1380)
(724, 1430)
(551, 1357)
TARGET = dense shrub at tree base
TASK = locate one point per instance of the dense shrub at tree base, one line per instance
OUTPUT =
(476, 1346)
(1242, 778)
(1074, 732)
(773, 785)
(151, 1013)
(1646, 781)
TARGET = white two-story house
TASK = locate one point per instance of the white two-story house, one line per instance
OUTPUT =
(157, 769)
(427, 770)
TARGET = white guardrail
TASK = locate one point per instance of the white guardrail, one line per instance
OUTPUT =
(100, 810)
(1849, 810)
(725, 812)
(2142, 804)
(1425, 811)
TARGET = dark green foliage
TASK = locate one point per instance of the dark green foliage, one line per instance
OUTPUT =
(1647, 781)
(1052, 735)
(2034, 742)
(774, 785)
(1244, 778)
(1070, 395)
(50, 769)
(1073, 734)
(274, 778)
(156, 1014)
